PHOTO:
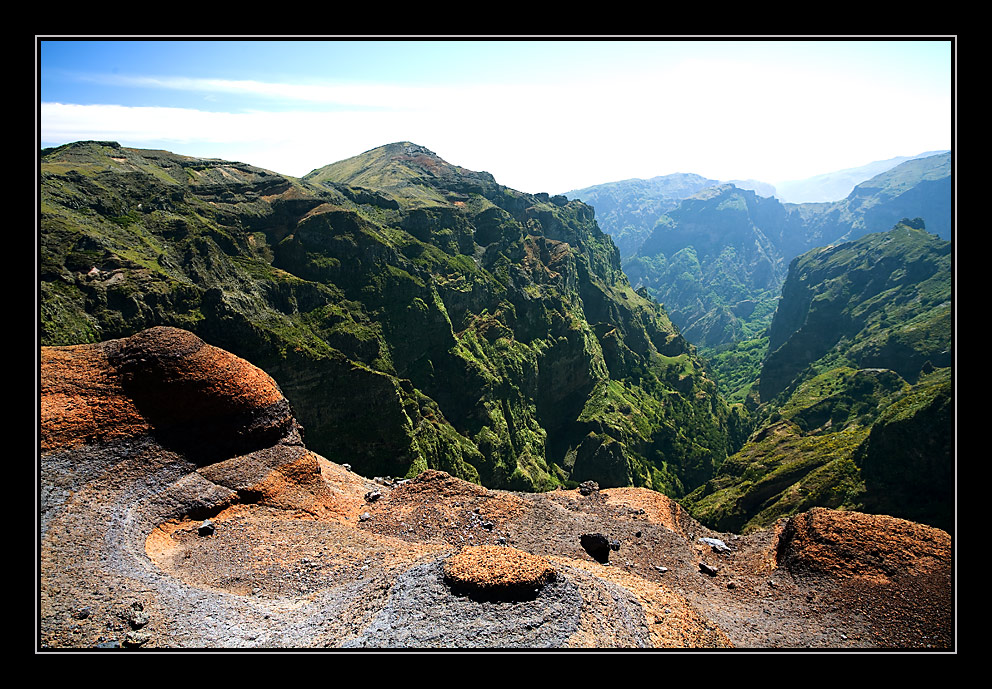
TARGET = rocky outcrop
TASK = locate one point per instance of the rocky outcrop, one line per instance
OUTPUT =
(852, 544)
(498, 572)
(243, 538)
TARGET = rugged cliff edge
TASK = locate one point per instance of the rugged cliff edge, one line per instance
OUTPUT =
(180, 509)
(857, 391)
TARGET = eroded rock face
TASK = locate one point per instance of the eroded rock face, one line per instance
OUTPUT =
(164, 381)
(852, 544)
(201, 399)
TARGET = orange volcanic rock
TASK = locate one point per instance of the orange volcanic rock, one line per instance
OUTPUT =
(656, 507)
(143, 438)
(82, 399)
(497, 570)
(846, 544)
(192, 396)
(215, 409)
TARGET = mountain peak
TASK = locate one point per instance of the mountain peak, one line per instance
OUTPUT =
(403, 169)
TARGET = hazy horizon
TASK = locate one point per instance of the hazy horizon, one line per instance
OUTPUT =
(540, 115)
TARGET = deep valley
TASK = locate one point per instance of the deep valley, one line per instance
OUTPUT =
(405, 398)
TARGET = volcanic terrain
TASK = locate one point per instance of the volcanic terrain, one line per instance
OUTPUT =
(180, 508)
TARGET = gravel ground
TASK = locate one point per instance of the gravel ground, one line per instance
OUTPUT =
(169, 540)
(124, 566)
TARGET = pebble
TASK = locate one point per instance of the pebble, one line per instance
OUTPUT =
(707, 569)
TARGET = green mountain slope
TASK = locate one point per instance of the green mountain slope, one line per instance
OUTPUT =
(717, 261)
(628, 210)
(416, 314)
(882, 300)
(857, 391)
(920, 188)
(833, 186)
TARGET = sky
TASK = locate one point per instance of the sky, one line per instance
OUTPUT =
(540, 115)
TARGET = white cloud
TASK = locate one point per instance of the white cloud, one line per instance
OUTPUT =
(720, 118)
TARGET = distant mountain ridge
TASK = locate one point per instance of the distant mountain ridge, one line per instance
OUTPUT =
(416, 314)
(834, 186)
(717, 259)
(627, 210)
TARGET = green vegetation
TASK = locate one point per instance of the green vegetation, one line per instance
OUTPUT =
(419, 315)
(855, 392)
(416, 314)
(879, 301)
(736, 366)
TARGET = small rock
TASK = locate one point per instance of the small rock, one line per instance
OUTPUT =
(135, 639)
(81, 613)
(136, 616)
(365, 517)
(347, 467)
(661, 569)
(598, 546)
(717, 545)
(588, 487)
(207, 528)
(372, 496)
(488, 526)
(707, 569)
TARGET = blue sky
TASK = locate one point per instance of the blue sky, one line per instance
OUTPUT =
(549, 115)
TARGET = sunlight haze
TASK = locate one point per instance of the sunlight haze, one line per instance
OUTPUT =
(551, 115)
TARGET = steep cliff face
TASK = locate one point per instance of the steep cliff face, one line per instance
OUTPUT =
(881, 301)
(856, 392)
(416, 314)
(907, 462)
(717, 260)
